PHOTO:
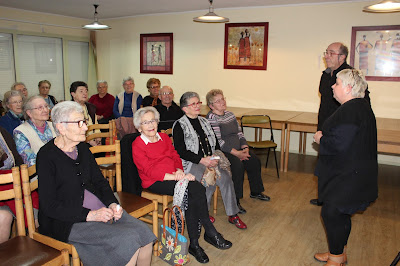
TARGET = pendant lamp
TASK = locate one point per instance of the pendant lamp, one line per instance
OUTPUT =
(211, 17)
(96, 25)
(385, 6)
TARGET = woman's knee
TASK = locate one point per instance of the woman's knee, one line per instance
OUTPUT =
(6, 218)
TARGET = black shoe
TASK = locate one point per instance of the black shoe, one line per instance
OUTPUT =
(241, 209)
(316, 202)
(260, 196)
(199, 254)
(218, 241)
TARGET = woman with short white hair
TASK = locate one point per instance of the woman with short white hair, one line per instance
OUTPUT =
(77, 204)
(347, 167)
(14, 103)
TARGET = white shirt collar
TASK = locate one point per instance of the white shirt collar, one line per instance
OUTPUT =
(146, 140)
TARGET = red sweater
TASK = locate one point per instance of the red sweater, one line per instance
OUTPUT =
(104, 105)
(154, 160)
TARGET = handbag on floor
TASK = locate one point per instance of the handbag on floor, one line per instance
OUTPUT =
(173, 247)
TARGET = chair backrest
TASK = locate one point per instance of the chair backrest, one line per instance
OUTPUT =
(257, 121)
(131, 181)
(28, 187)
(167, 131)
(16, 194)
(113, 158)
(108, 134)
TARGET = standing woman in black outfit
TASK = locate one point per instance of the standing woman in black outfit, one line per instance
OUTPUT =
(347, 167)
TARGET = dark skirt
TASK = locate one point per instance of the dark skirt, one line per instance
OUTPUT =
(101, 243)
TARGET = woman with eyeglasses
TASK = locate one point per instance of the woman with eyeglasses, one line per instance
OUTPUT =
(30, 136)
(35, 131)
(77, 204)
(234, 145)
(160, 169)
(79, 94)
(153, 86)
(196, 144)
(13, 103)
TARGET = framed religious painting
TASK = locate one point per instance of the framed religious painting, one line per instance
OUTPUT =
(375, 50)
(246, 45)
(156, 53)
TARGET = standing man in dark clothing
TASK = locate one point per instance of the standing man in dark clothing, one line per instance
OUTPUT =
(335, 58)
(168, 109)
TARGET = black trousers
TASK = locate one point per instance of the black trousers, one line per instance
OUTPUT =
(337, 226)
(197, 205)
(253, 168)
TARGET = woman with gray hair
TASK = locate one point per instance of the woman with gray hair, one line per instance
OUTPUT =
(160, 169)
(347, 167)
(104, 102)
(77, 204)
(196, 144)
(13, 104)
(35, 131)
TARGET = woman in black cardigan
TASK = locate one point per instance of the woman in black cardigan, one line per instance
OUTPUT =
(76, 204)
(347, 167)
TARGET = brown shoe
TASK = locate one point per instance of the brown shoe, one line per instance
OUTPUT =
(335, 260)
(323, 257)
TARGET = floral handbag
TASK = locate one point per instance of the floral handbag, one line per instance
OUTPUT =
(173, 247)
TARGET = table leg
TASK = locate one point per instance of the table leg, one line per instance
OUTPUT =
(304, 142)
(282, 146)
(287, 148)
(300, 141)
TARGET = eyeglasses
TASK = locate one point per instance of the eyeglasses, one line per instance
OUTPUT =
(80, 122)
(16, 102)
(155, 87)
(195, 104)
(148, 122)
(219, 100)
(41, 108)
(329, 53)
(166, 93)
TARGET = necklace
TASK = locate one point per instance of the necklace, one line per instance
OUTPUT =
(202, 148)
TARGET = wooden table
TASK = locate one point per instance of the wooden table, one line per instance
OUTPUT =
(388, 131)
(305, 122)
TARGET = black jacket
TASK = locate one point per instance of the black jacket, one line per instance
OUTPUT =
(347, 167)
(62, 182)
(131, 181)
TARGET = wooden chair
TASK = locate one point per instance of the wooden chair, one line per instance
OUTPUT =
(259, 122)
(108, 128)
(134, 205)
(28, 187)
(22, 249)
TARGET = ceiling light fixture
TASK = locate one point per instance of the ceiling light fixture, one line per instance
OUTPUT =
(211, 17)
(96, 25)
(385, 6)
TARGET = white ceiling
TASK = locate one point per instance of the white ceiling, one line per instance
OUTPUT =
(124, 8)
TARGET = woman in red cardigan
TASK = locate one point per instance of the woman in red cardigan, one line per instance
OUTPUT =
(160, 168)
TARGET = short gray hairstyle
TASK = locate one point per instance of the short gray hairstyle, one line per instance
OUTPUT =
(62, 111)
(355, 79)
(16, 84)
(28, 105)
(101, 81)
(186, 96)
(137, 117)
(127, 79)
(8, 95)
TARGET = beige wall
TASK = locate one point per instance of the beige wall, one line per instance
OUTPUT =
(297, 37)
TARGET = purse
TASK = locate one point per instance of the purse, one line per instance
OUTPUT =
(173, 247)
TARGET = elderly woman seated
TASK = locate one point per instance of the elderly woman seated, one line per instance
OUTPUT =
(196, 144)
(35, 131)
(160, 168)
(13, 104)
(153, 86)
(9, 158)
(234, 145)
(77, 204)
